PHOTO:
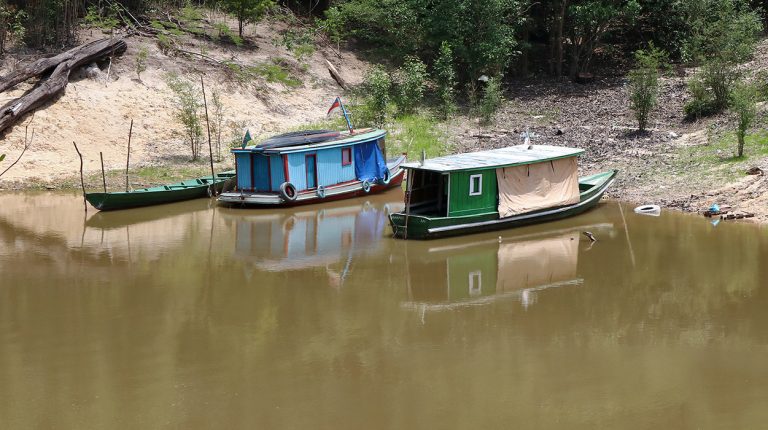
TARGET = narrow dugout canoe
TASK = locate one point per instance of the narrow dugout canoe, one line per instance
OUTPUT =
(185, 190)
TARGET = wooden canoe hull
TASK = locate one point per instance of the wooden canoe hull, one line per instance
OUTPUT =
(185, 190)
(424, 227)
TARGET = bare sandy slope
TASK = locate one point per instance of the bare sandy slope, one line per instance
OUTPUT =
(96, 112)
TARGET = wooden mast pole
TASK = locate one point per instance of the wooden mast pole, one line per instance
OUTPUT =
(128, 156)
(210, 148)
(103, 176)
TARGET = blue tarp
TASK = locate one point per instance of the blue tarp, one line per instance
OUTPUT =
(369, 163)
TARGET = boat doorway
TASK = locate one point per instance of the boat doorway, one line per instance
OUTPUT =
(429, 193)
(311, 163)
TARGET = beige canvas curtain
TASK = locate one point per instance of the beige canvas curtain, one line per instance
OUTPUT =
(537, 186)
(535, 263)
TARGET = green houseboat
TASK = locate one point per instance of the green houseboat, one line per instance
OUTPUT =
(495, 189)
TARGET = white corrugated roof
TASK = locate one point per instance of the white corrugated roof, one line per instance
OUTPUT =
(502, 157)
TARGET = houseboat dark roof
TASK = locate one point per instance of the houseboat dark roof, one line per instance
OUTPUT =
(495, 158)
(311, 139)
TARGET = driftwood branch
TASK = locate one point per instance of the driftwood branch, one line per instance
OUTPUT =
(335, 75)
(27, 144)
(61, 65)
(82, 181)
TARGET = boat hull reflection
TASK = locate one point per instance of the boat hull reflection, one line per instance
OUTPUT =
(480, 272)
(298, 239)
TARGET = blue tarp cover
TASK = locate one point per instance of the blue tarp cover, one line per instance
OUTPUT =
(369, 163)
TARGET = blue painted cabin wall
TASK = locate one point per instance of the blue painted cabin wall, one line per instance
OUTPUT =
(278, 177)
(243, 161)
(244, 177)
(329, 169)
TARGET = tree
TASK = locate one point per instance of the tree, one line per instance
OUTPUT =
(247, 11)
(492, 99)
(411, 79)
(445, 78)
(644, 84)
(378, 86)
(590, 21)
(187, 104)
(723, 34)
(743, 104)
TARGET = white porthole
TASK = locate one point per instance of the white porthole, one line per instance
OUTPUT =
(475, 185)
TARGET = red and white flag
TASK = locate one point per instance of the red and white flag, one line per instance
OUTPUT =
(336, 104)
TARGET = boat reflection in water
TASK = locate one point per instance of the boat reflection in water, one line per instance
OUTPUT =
(299, 239)
(453, 276)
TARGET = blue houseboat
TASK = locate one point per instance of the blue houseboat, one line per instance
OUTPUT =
(313, 166)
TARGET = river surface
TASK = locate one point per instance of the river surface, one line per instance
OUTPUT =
(190, 316)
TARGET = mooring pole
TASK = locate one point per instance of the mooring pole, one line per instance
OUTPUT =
(210, 148)
(409, 189)
(128, 157)
(82, 181)
(103, 177)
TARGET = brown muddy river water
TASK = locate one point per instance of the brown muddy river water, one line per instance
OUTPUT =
(190, 316)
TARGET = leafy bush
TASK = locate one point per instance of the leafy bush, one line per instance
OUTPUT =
(187, 104)
(299, 41)
(723, 34)
(141, 61)
(644, 84)
(105, 18)
(743, 104)
(377, 86)
(223, 31)
(411, 81)
(333, 25)
(492, 99)
(445, 78)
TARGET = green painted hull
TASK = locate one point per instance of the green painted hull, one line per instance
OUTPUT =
(426, 227)
(185, 190)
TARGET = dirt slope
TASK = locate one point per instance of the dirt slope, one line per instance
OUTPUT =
(96, 111)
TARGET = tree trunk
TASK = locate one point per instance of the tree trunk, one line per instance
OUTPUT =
(49, 88)
(559, 41)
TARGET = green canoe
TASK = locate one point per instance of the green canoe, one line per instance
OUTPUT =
(185, 190)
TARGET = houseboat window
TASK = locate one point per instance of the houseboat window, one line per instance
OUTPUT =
(475, 283)
(346, 156)
(475, 185)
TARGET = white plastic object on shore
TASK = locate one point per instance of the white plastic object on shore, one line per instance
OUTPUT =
(652, 210)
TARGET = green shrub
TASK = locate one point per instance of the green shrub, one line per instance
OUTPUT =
(333, 25)
(743, 104)
(377, 85)
(141, 61)
(445, 79)
(411, 81)
(492, 99)
(701, 104)
(644, 84)
(187, 104)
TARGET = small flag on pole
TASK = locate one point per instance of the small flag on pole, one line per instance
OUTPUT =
(336, 104)
(247, 138)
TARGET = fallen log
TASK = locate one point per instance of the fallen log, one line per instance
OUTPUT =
(335, 75)
(62, 65)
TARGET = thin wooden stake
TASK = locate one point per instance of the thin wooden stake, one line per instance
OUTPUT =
(103, 176)
(409, 188)
(210, 148)
(82, 181)
(128, 157)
